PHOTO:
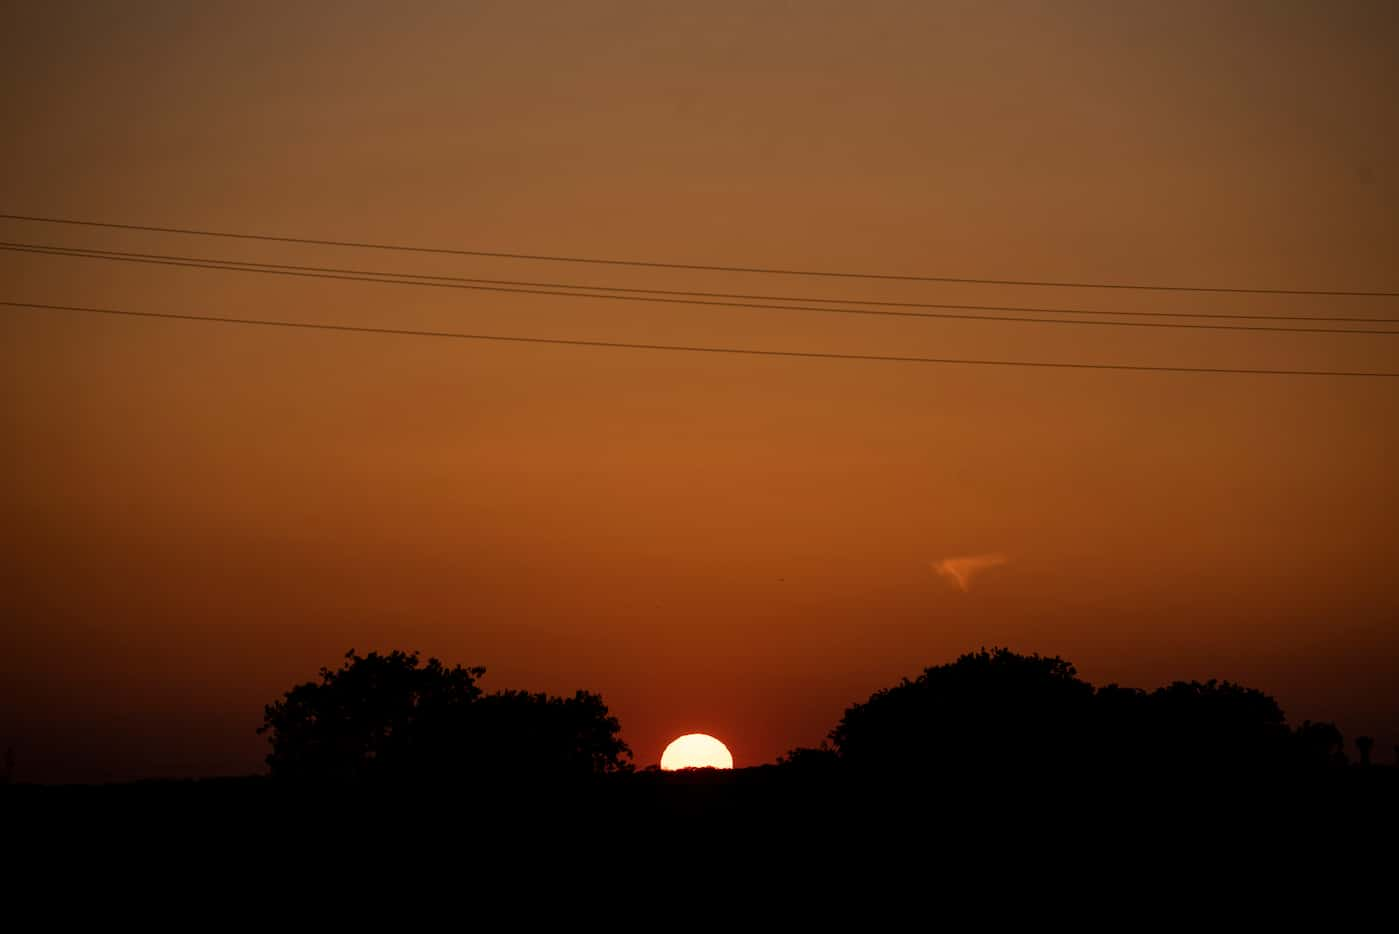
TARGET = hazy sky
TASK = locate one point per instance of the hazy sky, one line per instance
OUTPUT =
(199, 516)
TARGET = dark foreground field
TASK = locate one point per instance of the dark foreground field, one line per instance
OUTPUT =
(811, 842)
(1342, 798)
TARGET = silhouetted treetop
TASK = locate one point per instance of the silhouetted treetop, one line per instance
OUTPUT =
(1004, 711)
(551, 735)
(392, 717)
(986, 707)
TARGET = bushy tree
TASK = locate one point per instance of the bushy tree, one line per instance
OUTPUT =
(1215, 724)
(986, 709)
(385, 718)
(543, 735)
(998, 710)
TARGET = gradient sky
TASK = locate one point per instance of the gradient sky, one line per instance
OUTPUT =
(198, 516)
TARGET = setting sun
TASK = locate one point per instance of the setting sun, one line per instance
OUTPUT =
(696, 751)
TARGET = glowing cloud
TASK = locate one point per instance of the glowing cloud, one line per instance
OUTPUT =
(960, 570)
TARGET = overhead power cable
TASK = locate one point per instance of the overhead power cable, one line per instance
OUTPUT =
(702, 294)
(603, 292)
(743, 351)
(702, 267)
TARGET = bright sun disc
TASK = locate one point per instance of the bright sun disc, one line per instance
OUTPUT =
(696, 751)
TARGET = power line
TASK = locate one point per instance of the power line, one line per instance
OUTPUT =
(453, 282)
(764, 270)
(744, 351)
(96, 253)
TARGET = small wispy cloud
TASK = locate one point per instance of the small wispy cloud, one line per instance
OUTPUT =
(961, 570)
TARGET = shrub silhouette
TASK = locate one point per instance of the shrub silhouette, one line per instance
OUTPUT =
(387, 718)
(1319, 744)
(810, 760)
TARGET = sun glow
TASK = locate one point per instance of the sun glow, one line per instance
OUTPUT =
(696, 751)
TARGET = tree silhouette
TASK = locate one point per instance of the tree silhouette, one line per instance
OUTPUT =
(542, 735)
(1122, 728)
(985, 710)
(1216, 724)
(999, 710)
(387, 718)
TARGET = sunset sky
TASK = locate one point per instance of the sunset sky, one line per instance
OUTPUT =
(198, 516)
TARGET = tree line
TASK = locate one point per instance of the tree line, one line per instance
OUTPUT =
(393, 717)
(999, 710)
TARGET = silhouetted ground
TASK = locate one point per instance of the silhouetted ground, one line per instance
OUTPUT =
(771, 793)
(1159, 844)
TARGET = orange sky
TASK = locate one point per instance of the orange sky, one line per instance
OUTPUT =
(199, 516)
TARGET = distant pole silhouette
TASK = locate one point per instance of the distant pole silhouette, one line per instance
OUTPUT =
(1364, 744)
